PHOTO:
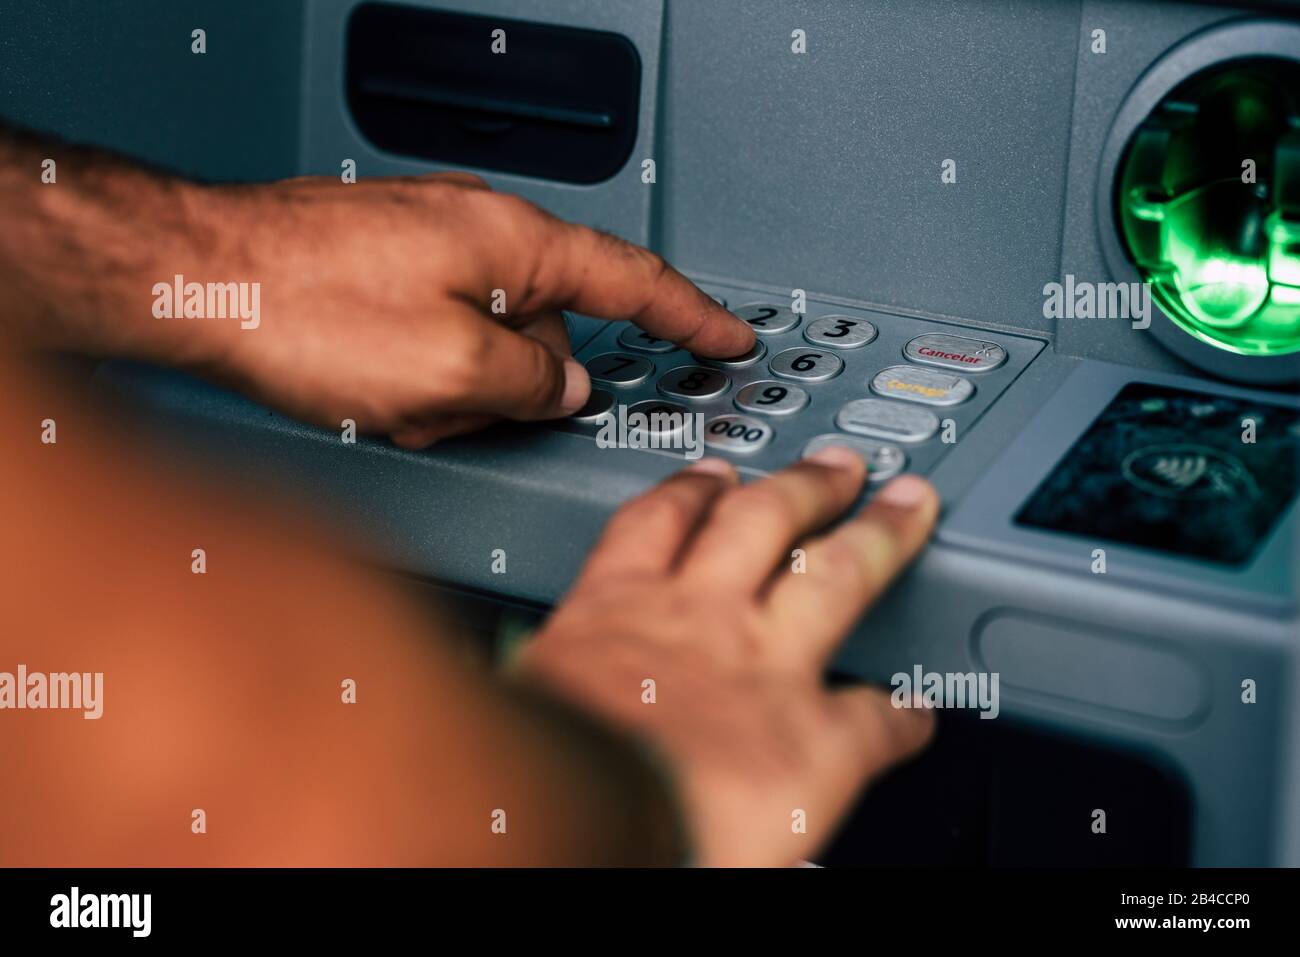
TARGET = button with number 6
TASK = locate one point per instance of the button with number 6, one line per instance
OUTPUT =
(806, 365)
(736, 433)
(771, 398)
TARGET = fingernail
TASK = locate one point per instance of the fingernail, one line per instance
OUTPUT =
(906, 491)
(838, 457)
(577, 386)
(713, 467)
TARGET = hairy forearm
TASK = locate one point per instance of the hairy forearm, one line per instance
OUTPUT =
(86, 237)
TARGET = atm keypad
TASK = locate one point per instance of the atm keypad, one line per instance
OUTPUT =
(899, 390)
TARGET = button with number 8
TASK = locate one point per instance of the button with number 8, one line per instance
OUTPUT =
(736, 433)
(693, 382)
(771, 398)
(807, 365)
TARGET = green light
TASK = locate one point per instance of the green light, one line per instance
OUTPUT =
(1219, 238)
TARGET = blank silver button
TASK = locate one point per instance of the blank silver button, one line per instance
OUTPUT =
(767, 319)
(737, 433)
(839, 332)
(615, 368)
(955, 352)
(642, 341)
(887, 420)
(755, 354)
(771, 398)
(661, 419)
(883, 461)
(807, 365)
(922, 385)
(693, 382)
(598, 405)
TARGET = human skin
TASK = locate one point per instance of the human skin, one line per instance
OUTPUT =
(223, 689)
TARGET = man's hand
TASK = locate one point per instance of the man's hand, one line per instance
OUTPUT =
(378, 302)
(418, 307)
(692, 587)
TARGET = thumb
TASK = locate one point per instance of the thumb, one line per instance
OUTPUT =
(524, 379)
(883, 735)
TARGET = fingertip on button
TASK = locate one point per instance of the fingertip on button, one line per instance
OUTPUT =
(713, 466)
(838, 457)
(906, 491)
(577, 387)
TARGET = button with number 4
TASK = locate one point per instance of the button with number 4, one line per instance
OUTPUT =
(693, 382)
(839, 332)
(736, 433)
(807, 365)
(642, 341)
(771, 398)
(615, 368)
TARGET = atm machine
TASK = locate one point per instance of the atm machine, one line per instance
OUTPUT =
(943, 220)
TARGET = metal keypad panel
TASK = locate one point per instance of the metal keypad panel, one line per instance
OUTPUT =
(899, 390)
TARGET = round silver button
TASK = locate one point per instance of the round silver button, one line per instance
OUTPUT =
(767, 319)
(693, 382)
(641, 341)
(656, 419)
(736, 433)
(771, 398)
(807, 365)
(883, 461)
(755, 354)
(886, 419)
(616, 368)
(839, 332)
